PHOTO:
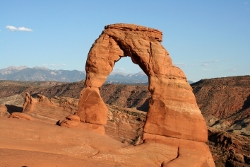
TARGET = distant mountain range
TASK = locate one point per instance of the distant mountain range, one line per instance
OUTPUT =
(24, 73)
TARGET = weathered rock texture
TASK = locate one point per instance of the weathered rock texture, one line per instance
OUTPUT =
(173, 111)
(19, 115)
(123, 124)
(28, 104)
(70, 121)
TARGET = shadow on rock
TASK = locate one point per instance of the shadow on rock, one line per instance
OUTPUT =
(13, 108)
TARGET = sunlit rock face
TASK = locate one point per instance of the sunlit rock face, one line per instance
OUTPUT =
(173, 111)
(28, 104)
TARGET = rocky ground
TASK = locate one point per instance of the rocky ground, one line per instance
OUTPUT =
(224, 103)
(34, 139)
(38, 144)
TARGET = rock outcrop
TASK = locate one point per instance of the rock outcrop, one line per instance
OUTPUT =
(28, 103)
(3, 111)
(19, 115)
(70, 121)
(28, 107)
(173, 112)
(225, 103)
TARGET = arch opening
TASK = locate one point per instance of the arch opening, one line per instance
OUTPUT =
(128, 90)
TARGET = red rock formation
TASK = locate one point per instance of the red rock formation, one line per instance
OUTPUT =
(28, 106)
(3, 110)
(226, 97)
(28, 103)
(173, 111)
(70, 121)
(91, 108)
(19, 115)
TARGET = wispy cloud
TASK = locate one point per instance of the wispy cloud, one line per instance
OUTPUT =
(119, 70)
(205, 69)
(13, 28)
(180, 64)
(232, 69)
(58, 65)
(205, 64)
(54, 65)
(211, 61)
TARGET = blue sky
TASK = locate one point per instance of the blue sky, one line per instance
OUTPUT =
(205, 38)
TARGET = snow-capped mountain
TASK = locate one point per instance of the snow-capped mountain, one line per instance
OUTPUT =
(11, 69)
(119, 77)
(24, 73)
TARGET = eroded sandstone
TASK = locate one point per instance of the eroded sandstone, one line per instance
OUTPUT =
(19, 115)
(28, 103)
(173, 111)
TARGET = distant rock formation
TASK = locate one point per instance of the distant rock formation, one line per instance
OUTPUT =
(27, 107)
(225, 102)
(173, 116)
(28, 103)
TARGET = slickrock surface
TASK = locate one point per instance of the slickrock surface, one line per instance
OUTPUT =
(19, 115)
(40, 142)
(71, 121)
(35, 144)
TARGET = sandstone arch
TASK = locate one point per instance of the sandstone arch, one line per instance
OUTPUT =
(173, 111)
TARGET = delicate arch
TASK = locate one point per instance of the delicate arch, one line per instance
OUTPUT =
(173, 110)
